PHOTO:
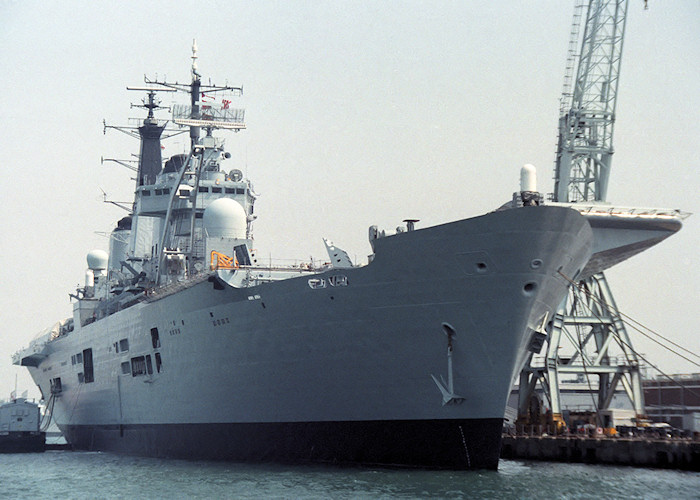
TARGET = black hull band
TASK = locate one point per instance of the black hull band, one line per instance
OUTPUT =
(445, 444)
(22, 442)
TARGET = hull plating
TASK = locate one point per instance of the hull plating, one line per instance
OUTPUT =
(245, 370)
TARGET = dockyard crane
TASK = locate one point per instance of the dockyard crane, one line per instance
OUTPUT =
(588, 317)
(587, 111)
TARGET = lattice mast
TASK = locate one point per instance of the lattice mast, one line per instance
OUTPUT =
(587, 119)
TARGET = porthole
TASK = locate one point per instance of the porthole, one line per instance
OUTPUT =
(529, 288)
(536, 263)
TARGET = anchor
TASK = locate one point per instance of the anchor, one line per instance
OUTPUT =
(447, 388)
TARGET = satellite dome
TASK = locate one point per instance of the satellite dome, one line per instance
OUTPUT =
(97, 260)
(225, 218)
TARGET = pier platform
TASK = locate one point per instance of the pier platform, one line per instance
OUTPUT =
(681, 454)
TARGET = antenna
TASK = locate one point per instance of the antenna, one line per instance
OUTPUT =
(124, 205)
(195, 74)
(215, 114)
(123, 163)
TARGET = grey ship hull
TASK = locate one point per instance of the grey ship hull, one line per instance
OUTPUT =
(343, 374)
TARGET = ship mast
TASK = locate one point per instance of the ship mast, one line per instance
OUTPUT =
(194, 96)
(192, 116)
(150, 159)
(150, 133)
(195, 116)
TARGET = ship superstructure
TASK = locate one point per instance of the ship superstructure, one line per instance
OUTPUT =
(20, 427)
(182, 345)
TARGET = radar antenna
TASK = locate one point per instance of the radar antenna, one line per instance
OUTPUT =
(204, 110)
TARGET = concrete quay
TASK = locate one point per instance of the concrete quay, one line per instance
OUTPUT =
(681, 454)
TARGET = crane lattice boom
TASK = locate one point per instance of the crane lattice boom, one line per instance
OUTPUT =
(585, 146)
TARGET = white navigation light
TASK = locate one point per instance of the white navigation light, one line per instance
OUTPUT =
(528, 178)
(97, 260)
(225, 218)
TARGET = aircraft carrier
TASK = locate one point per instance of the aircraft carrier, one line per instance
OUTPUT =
(183, 344)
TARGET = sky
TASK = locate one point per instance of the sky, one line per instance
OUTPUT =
(358, 113)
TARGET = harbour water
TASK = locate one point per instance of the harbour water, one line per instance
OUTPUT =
(63, 474)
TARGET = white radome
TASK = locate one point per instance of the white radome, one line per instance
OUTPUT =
(225, 218)
(97, 260)
(528, 178)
